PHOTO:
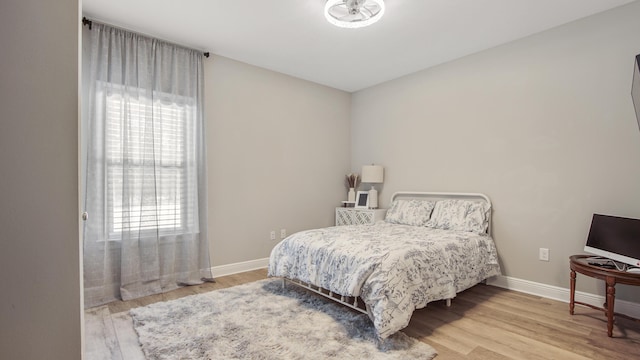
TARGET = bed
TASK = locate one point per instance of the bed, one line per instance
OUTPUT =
(430, 247)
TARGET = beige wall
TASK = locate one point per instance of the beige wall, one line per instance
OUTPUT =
(40, 307)
(545, 126)
(278, 149)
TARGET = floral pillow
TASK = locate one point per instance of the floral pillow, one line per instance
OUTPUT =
(460, 215)
(409, 212)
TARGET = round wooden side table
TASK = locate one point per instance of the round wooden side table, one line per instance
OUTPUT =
(611, 277)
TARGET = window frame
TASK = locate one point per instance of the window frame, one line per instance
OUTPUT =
(185, 166)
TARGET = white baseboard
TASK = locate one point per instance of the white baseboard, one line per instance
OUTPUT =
(561, 294)
(235, 268)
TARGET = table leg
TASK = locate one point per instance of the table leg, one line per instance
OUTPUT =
(572, 294)
(611, 298)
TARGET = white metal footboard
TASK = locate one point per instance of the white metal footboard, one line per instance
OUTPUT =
(348, 301)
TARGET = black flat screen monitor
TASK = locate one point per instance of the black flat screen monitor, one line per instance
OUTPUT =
(616, 238)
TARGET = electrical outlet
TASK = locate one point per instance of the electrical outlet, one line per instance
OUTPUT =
(283, 233)
(544, 254)
(273, 234)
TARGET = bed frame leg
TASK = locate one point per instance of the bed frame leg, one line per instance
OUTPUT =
(283, 283)
(448, 302)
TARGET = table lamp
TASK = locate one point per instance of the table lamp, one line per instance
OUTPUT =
(373, 174)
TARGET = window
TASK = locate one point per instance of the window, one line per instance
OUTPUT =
(150, 167)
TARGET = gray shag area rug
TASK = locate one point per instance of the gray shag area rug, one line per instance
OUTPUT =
(260, 320)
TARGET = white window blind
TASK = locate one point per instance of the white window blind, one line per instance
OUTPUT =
(150, 169)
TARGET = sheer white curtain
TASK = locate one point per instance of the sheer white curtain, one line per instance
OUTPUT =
(143, 140)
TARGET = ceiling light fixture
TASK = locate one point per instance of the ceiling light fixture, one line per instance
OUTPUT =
(353, 13)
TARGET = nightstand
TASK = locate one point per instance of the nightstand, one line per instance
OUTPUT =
(357, 216)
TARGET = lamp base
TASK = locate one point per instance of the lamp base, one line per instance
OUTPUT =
(373, 198)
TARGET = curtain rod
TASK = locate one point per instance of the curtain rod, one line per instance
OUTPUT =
(87, 22)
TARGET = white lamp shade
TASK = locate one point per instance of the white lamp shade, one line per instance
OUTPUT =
(372, 174)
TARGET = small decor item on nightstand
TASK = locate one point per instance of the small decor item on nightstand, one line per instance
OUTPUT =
(351, 196)
(352, 182)
(373, 174)
(348, 204)
(362, 200)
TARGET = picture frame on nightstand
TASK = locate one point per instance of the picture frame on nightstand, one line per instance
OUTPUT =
(362, 200)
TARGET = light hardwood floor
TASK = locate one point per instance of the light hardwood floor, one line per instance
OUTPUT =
(484, 322)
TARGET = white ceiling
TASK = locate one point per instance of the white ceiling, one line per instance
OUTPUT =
(293, 37)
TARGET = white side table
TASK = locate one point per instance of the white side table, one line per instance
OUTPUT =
(355, 216)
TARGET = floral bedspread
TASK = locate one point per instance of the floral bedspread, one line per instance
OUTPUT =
(395, 269)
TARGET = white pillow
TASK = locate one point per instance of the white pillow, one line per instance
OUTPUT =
(460, 215)
(409, 212)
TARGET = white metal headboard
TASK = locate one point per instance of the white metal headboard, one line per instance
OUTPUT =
(445, 196)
